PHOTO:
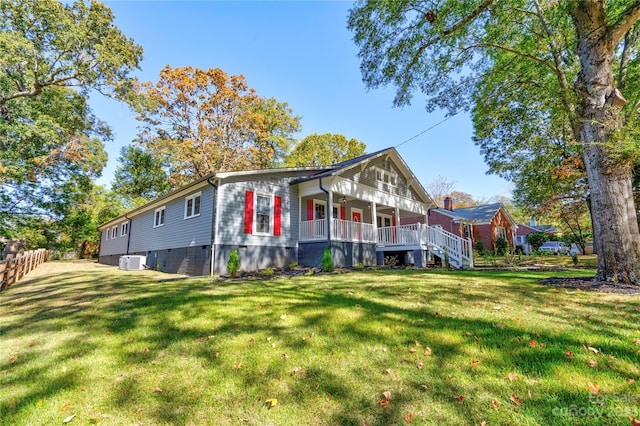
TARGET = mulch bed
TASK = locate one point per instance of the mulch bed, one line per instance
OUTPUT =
(589, 284)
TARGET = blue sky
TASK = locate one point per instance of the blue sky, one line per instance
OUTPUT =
(299, 52)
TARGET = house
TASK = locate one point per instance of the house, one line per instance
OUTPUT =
(484, 223)
(278, 217)
(524, 230)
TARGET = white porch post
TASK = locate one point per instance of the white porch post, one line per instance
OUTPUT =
(329, 214)
(374, 221)
(397, 216)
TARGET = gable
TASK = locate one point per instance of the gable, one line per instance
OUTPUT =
(385, 175)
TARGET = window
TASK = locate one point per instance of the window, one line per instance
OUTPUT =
(467, 230)
(501, 232)
(192, 205)
(124, 230)
(114, 231)
(386, 176)
(108, 234)
(159, 217)
(263, 214)
(320, 211)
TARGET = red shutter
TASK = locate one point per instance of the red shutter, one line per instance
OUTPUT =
(343, 213)
(277, 215)
(393, 221)
(309, 209)
(248, 212)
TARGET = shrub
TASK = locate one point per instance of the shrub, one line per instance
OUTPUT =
(327, 262)
(360, 266)
(478, 247)
(268, 272)
(501, 246)
(293, 265)
(574, 259)
(234, 263)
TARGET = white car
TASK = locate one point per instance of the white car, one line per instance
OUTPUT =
(556, 247)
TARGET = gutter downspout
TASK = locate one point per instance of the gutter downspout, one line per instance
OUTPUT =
(129, 232)
(328, 213)
(214, 222)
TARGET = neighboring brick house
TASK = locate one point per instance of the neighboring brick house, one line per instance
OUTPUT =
(524, 230)
(484, 223)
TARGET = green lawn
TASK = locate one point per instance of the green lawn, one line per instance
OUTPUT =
(449, 347)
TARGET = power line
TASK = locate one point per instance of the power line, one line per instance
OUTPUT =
(425, 131)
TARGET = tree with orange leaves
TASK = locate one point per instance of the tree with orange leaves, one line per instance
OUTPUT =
(202, 121)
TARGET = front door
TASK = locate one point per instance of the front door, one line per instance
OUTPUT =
(356, 218)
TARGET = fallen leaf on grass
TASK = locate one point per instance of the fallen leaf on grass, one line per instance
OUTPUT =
(634, 421)
(68, 419)
(631, 381)
(157, 390)
(271, 402)
(284, 356)
(593, 388)
(427, 351)
(251, 340)
(65, 407)
(387, 371)
(384, 402)
(424, 388)
(408, 418)
(238, 366)
(594, 350)
(592, 363)
(569, 354)
(387, 395)
(413, 350)
(420, 365)
(494, 404)
(533, 343)
(460, 398)
(474, 362)
(516, 400)
(13, 359)
(512, 376)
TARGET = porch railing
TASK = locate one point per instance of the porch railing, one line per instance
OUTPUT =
(341, 230)
(443, 243)
(399, 235)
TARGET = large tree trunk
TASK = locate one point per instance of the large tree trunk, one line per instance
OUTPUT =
(599, 118)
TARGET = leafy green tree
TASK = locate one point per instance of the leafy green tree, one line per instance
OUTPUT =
(581, 56)
(536, 239)
(276, 135)
(139, 176)
(46, 44)
(325, 149)
(51, 145)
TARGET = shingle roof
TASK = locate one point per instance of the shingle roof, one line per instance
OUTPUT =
(335, 168)
(483, 213)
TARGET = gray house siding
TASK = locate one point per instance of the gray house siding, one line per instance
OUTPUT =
(111, 249)
(177, 232)
(256, 251)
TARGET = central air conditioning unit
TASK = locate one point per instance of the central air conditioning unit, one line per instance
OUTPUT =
(132, 262)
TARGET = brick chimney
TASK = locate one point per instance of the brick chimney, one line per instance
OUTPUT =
(448, 203)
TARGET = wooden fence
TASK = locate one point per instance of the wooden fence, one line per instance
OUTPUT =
(15, 268)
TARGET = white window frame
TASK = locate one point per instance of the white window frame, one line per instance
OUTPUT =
(319, 203)
(383, 217)
(114, 232)
(108, 234)
(156, 217)
(124, 229)
(190, 213)
(386, 176)
(498, 232)
(271, 213)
